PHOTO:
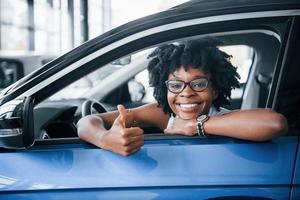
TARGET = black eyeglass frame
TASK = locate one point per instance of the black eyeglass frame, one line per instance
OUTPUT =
(187, 83)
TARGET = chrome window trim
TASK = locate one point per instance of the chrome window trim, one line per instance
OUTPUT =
(151, 31)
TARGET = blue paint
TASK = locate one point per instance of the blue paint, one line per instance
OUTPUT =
(295, 194)
(161, 165)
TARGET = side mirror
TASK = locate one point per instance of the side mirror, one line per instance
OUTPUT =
(16, 124)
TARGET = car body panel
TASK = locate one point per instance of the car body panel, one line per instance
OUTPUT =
(164, 164)
(176, 193)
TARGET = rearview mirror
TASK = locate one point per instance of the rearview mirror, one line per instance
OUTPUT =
(122, 61)
(16, 123)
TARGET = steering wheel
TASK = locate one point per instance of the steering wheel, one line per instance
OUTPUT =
(90, 106)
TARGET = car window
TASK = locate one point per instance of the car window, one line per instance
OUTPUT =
(125, 81)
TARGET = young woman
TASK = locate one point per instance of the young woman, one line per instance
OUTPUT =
(192, 81)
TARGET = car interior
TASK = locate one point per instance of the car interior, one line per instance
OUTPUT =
(126, 83)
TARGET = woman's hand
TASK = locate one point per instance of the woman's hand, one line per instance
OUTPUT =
(119, 138)
(182, 127)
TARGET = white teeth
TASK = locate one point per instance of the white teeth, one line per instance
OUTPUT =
(191, 105)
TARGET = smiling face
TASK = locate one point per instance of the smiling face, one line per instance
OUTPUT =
(188, 104)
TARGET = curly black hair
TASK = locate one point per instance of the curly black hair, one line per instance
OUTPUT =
(202, 54)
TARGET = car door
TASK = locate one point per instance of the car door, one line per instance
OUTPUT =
(166, 167)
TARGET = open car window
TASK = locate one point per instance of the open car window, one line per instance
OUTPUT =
(127, 83)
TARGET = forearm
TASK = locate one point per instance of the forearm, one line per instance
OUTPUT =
(118, 138)
(91, 129)
(256, 125)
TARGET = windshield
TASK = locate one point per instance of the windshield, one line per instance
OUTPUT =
(87, 86)
(83, 85)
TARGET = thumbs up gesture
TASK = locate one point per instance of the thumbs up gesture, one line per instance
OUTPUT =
(121, 119)
(121, 139)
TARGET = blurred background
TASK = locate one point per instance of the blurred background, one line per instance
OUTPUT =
(52, 27)
(33, 32)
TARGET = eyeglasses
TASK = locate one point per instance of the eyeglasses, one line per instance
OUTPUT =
(177, 86)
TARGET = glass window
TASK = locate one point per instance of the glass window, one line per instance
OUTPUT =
(122, 13)
(14, 12)
(14, 25)
(95, 18)
(14, 38)
(65, 23)
(52, 23)
(78, 20)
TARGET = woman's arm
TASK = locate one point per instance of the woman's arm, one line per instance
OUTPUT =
(254, 124)
(119, 131)
(118, 138)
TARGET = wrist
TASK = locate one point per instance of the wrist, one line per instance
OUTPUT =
(201, 120)
(190, 127)
(102, 139)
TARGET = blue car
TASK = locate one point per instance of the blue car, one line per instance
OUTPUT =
(41, 156)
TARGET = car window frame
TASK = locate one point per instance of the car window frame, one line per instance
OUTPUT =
(148, 45)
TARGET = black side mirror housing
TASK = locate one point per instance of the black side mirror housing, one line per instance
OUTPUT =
(16, 124)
